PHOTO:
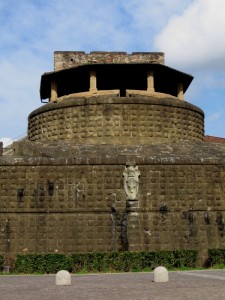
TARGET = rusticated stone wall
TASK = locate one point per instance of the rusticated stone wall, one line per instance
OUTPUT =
(104, 120)
(70, 208)
(68, 59)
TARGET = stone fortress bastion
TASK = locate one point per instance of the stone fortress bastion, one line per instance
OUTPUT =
(115, 160)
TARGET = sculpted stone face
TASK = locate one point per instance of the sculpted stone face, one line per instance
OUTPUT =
(131, 176)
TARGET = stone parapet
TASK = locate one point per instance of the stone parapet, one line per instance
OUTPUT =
(68, 59)
(67, 153)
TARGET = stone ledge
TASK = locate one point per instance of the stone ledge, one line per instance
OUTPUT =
(137, 93)
(71, 101)
(109, 93)
(62, 153)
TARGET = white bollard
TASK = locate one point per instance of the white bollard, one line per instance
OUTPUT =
(63, 278)
(161, 274)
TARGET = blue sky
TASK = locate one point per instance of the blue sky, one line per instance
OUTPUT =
(190, 32)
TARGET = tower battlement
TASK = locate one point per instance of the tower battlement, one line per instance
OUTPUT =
(68, 59)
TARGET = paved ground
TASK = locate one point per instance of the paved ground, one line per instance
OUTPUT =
(194, 285)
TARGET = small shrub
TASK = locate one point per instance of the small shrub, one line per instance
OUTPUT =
(31, 263)
(185, 258)
(78, 262)
(123, 261)
(42, 263)
(96, 262)
(216, 257)
(1, 262)
(55, 262)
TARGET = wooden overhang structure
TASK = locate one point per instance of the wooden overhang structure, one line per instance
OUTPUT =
(90, 77)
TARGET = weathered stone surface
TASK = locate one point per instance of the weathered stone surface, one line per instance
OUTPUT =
(63, 278)
(116, 120)
(66, 189)
(69, 208)
(131, 176)
(161, 274)
(68, 153)
(68, 59)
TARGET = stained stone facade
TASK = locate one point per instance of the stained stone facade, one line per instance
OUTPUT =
(117, 120)
(105, 172)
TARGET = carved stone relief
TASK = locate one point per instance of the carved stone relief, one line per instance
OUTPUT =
(131, 176)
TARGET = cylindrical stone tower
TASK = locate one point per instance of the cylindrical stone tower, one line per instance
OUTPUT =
(115, 98)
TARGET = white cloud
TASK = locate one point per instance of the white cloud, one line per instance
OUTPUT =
(6, 141)
(19, 86)
(153, 13)
(193, 42)
(84, 25)
(32, 30)
(194, 39)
